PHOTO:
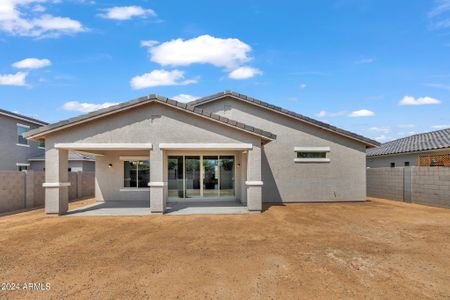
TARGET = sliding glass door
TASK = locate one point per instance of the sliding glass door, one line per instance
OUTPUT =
(201, 177)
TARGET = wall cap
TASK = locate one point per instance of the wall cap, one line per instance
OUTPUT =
(55, 184)
(254, 183)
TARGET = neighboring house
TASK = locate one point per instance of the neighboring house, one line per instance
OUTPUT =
(78, 162)
(223, 147)
(424, 149)
(15, 150)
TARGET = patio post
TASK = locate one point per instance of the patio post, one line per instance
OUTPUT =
(157, 184)
(56, 181)
(254, 182)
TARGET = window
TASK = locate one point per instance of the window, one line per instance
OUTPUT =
(392, 165)
(21, 129)
(22, 168)
(406, 163)
(312, 154)
(41, 144)
(136, 173)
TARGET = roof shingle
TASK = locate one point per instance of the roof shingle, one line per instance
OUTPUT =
(433, 140)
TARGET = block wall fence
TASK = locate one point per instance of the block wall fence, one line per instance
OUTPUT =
(422, 185)
(20, 190)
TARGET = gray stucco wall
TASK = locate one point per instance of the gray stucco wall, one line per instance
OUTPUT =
(385, 161)
(152, 123)
(10, 152)
(342, 179)
(75, 166)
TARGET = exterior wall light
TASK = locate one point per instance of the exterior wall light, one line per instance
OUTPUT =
(110, 166)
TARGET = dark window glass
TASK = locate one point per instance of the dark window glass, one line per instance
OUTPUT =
(143, 173)
(41, 144)
(392, 165)
(406, 163)
(302, 154)
(22, 168)
(136, 173)
(20, 139)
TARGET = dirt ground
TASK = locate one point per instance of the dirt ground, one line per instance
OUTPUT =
(377, 249)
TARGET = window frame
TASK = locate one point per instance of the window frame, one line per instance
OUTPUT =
(325, 150)
(19, 136)
(138, 159)
(39, 144)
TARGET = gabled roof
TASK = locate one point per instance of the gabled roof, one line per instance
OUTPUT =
(42, 131)
(354, 136)
(433, 140)
(22, 117)
(74, 156)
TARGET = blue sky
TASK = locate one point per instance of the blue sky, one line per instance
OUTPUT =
(376, 67)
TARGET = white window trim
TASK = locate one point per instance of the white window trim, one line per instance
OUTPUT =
(22, 165)
(23, 125)
(132, 188)
(23, 145)
(312, 149)
(134, 158)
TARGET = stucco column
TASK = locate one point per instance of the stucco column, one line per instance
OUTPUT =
(56, 181)
(254, 182)
(157, 184)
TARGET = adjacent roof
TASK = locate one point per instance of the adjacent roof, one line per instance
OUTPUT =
(42, 131)
(367, 141)
(72, 156)
(434, 140)
(22, 117)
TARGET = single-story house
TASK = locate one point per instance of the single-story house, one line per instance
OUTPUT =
(222, 147)
(78, 162)
(424, 149)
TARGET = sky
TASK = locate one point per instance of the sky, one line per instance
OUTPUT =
(379, 68)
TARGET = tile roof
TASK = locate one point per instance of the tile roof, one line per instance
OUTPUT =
(72, 156)
(21, 117)
(367, 141)
(419, 142)
(143, 100)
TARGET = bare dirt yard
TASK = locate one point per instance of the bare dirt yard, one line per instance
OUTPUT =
(377, 249)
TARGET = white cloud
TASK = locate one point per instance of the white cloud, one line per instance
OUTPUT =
(122, 13)
(185, 98)
(18, 79)
(439, 86)
(362, 113)
(160, 78)
(149, 43)
(379, 129)
(302, 86)
(442, 126)
(439, 15)
(324, 113)
(441, 7)
(406, 125)
(364, 61)
(85, 107)
(32, 63)
(408, 100)
(21, 18)
(244, 73)
(381, 138)
(205, 49)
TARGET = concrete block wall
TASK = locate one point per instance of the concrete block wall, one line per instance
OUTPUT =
(422, 185)
(385, 183)
(431, 186)
(19, 190)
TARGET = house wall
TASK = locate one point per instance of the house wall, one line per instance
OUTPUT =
(151, 123)
(342, 179)
(385, 161)
(10, 152)
(75, 166)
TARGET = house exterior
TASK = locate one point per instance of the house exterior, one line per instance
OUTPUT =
(15, 150)
(78, 162)
(424, 149)
(223, 147)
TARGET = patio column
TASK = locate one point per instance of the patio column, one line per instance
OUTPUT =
(56, 181)
(254, 182)
(157, 184)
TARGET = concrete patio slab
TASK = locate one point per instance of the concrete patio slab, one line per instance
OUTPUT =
(206, 208)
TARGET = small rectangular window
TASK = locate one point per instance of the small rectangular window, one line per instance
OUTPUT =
(312, 154)
(22, 168)
(41, 144)
(406, 163)
(392, 165)
(136, 173)
(21, 129)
